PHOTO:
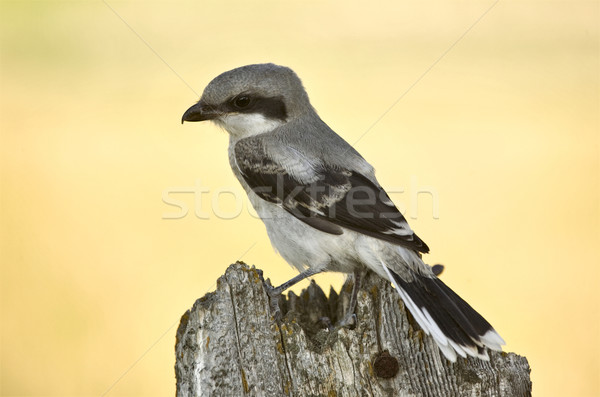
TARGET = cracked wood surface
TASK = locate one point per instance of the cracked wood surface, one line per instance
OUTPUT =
(229, 345)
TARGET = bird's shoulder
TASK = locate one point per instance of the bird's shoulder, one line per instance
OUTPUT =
(266, 154)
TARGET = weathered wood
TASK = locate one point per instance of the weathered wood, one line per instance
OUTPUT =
(229, 345)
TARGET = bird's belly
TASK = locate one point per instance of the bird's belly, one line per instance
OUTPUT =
(302, 245)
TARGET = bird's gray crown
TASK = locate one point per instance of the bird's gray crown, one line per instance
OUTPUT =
(266, 80)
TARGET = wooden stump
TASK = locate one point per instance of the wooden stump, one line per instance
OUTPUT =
(228, 344)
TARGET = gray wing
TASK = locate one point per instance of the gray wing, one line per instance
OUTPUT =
(331, 199)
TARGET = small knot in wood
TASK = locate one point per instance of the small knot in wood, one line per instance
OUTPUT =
(385, 366)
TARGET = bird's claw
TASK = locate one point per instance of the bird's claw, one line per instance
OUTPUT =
(325, 322)
(348, 321)
(274, 294)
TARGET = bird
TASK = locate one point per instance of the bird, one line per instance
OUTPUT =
(322, 205)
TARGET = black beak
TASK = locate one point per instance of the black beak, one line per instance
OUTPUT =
(200, 112)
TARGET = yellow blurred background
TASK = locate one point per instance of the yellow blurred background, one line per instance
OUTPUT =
(502, 125)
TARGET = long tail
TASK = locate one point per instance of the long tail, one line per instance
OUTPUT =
(454, 325)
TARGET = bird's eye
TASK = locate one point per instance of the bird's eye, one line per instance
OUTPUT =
(241, 101)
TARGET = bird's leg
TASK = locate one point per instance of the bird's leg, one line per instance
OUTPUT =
(437, 269)
(349, 320)
(274, 293)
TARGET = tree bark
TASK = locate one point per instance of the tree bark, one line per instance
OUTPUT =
(229, 344)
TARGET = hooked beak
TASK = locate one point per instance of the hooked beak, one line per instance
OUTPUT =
(200, 112)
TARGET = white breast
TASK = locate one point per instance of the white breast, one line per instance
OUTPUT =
(302, 245)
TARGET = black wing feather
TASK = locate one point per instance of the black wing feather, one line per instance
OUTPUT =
(339, 197)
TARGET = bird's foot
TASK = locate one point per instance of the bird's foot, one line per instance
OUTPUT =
(437, 269)
(274, 294)
(348, 321)
(325, 322)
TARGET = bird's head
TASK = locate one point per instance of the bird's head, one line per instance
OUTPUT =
(251, 100)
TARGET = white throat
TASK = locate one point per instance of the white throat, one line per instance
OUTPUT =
(244, 125)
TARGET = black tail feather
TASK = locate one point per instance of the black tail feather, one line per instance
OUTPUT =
(455, 318)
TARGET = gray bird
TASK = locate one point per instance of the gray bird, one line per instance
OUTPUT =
(322, 205)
